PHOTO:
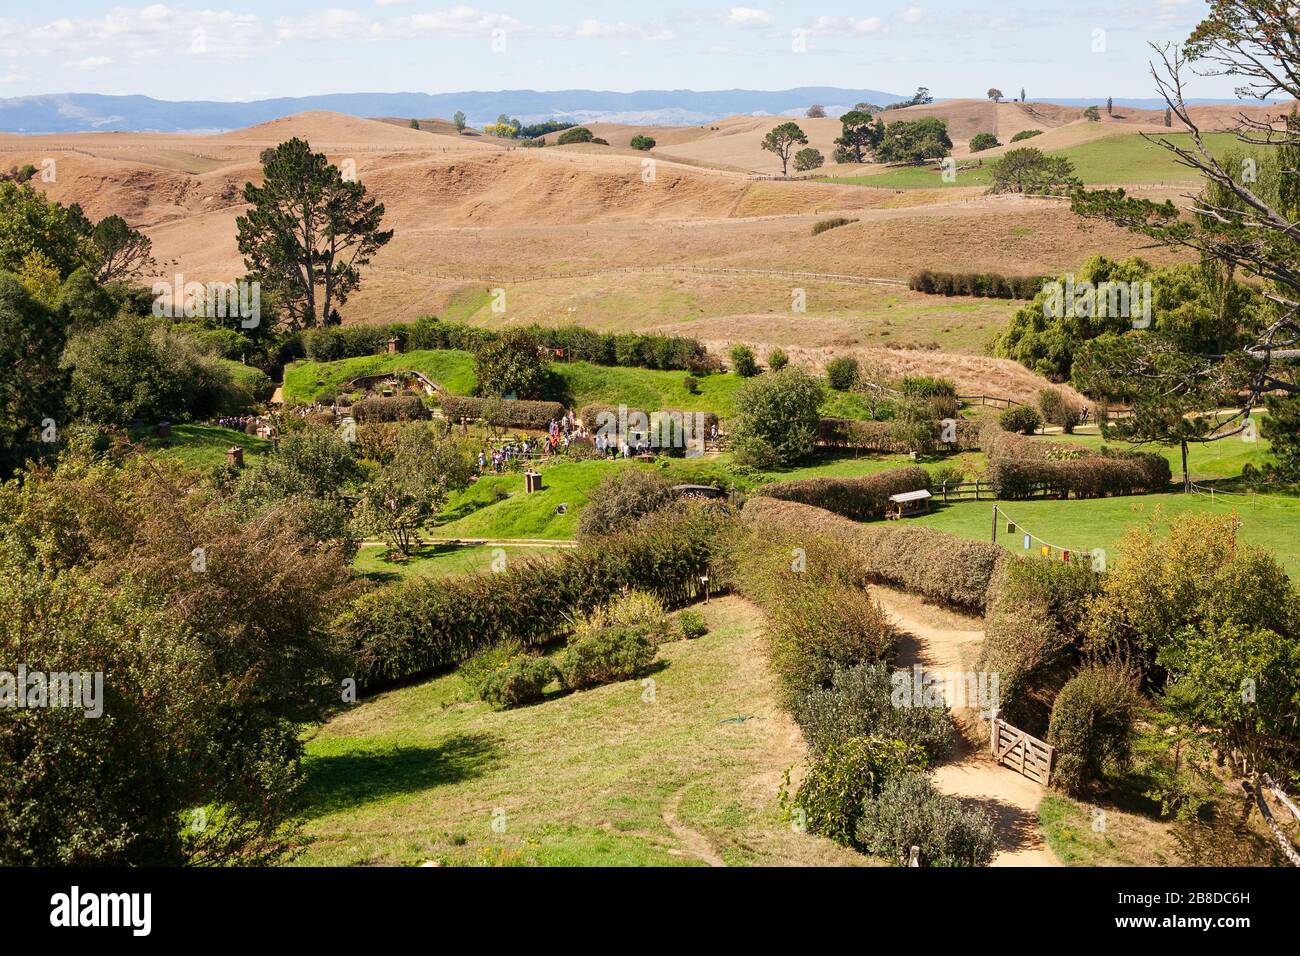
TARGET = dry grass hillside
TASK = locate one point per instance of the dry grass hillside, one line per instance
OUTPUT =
(581, 234)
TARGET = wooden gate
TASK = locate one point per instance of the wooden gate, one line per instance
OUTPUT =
(1021, 752)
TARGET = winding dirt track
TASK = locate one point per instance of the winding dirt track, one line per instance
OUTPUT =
(942, 641)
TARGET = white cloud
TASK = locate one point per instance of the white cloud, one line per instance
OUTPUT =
(831, 26)
(749, 17)
(915, 15)
(89, 63)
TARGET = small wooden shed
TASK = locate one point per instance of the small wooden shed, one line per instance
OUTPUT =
(907, 504)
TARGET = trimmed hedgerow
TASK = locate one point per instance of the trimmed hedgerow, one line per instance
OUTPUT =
(417, 626)
(884, 436)
(1021, 467)
(982, 285)
(396, 408)
(859, 703)
(507, 412)
(861, 497)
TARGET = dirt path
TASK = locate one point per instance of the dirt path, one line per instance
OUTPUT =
(941, 640)
(692, 843)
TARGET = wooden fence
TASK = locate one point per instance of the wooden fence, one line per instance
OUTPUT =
(994, 401)
(1023, 753)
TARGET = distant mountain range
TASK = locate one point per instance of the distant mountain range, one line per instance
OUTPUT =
(92, 112)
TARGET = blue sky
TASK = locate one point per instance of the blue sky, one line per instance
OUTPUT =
(252, 49)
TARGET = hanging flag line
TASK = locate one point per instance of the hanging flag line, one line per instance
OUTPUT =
(1046, 547)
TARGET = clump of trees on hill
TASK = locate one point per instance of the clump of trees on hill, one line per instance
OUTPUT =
(782, 140)
(1032, 172)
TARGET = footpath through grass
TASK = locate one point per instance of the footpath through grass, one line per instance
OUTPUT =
(617, 775)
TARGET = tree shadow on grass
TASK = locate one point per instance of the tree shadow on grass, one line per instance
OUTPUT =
(346, 781)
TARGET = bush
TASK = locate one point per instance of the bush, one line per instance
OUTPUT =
(845, 778)
(1025, 134)
(520, 681)
(982, 141)
(825, 225)
(743, 362)
(690, 624)
(860, 703)
(578, 134)
(909, 812)
(1092, 724)
(642, 142)
(480, 666)
(691, 384)
(1021, 419)
(777, 360)
(1057, 409)
(808, 159)
(842, 373)
(638, 609)
(398, 408)
(816, 627)
(504, 412)
(511, 365)
(1087, 476)
(614, 654)
(623, 498)
(858, 498)
(982, 285)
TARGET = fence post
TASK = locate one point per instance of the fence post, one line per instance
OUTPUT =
(995, 524)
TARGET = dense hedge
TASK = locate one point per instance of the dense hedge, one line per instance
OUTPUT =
(858, 498)
(395, 408)
(417, 626)
(1019, 466)
(667, 352)
(932, 563)
(881, 437)
(508, 412)
(983, 285)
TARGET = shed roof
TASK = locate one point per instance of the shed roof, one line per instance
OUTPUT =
(910, 496)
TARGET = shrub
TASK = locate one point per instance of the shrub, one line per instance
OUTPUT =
(808, 159)
(1092, 724)
(476, 670)
(842, 373)
(982, 285)
(859, 498)
(777, 360)
(845, 778)
(614, 654)
(504, 412)
(398, 408)
(1057, 409)
(1025, 134)
(691, 384)
(926, 386)
(690, 624)
(642, 142)
(1031, 656)
(824, 225)
(638, 609)
(816, 627)
(982, 141)
(578, 134)
(743, 362)
(859, 703)
(1021, 419)
(909, 812)
(520, 681)
(512, 365)
(623, 498)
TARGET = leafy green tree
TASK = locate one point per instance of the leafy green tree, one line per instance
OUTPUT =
(782, 140)
(31, 223)
(642, 142)
(512, 365)
(308, 233)
(1282, 429)
(776, 418)
(982, 141)
(579, 134)
(995, 94)
(459, 121)
(859, 136)
(32, 384)
(406, 492)
(40, 277)
(842, 373)
(816, 112)
(807, 159)
(743, 361)
(914, 141)
(415, 124)
(1034, 173)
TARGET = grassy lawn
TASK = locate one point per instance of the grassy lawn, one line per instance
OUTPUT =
(304, 381)
(1273, 524)
(644, 388)
(1124, 158)
(201, 446)
(436, 560)
(1084, 835)
(626, 774)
